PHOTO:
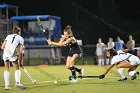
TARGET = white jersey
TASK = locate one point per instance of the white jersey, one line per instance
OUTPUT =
(121, 56)
(12, 43)
(110, 45)
(100, 47)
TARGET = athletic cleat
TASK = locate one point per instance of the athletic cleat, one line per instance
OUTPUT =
(81, 73)
(20, 86)
(72, 80)
(123, 79)
(7, 87)
(135, 76)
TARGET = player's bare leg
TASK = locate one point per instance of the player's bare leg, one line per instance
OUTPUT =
(7, 75)
(132, 72)
(17, 75)
(71, 61)
(70, 66)
(80, 71)
(120, 69)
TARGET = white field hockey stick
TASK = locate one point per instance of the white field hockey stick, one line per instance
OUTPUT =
(29, 75)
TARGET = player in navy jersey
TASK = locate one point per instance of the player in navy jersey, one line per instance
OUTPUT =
(74, 51)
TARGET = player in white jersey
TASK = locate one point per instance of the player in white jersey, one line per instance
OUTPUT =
(122, 60)
(12, 45)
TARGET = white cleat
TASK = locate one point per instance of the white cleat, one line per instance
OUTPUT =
(73, 80)
(7, 87)
(20, 86)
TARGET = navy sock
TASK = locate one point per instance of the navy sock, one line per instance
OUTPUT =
(73, 71)
(77, 69)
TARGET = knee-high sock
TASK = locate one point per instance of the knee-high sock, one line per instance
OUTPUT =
(99, 62)
(107, 61)
(131, 73)
(73, 71)
(17, 76)
(121, 72)
(7, 77)
(77, 69)
(102, 61)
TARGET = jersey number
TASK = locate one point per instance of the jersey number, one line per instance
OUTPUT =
(13, 40)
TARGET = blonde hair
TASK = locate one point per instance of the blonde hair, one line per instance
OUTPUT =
(16, 30)
(68, 30)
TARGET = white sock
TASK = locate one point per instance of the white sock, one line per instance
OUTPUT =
(7, 77)
(121, 71)
(107, 61)
(131, 73)
(102, 61)
(17, 76)
(99, 62)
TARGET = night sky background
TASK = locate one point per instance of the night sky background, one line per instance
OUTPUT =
(90, 19)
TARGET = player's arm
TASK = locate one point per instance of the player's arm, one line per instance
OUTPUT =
(125, 50)
(62, 39)
(60, 43)
(96, 49)
(20, 51)
(3, 45)
(106, 71)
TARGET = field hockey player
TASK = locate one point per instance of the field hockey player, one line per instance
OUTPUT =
(74, 52)
(122, 60)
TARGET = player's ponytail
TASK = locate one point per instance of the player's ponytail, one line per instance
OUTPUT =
(112, 52)
(68, 30)
(68, 27)
(16, 30)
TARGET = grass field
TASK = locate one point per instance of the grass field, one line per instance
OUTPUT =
(46, 76)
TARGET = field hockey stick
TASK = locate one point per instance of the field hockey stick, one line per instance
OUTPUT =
(45, 31)
(41, 25)
(87, 77)
(29, 75)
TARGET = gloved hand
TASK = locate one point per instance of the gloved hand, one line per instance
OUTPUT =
(102, 76)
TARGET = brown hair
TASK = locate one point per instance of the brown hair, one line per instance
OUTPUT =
(112, 52)
(68, 30)
(16, 29)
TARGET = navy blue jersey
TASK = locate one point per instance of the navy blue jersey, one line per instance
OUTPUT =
(73, 47)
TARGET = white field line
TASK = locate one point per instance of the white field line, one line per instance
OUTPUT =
(48, 81)
(52, 81)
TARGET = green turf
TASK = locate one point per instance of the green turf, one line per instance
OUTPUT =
(47, 75)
